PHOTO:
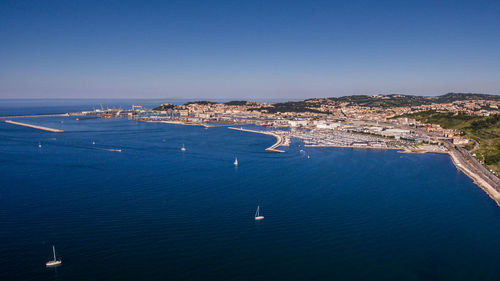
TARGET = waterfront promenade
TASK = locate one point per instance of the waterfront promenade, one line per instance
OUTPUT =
(273, 148)
(35, 126)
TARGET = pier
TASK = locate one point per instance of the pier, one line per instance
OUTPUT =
(278, 143)
(35, 126)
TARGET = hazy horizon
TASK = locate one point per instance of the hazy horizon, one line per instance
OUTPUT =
(222, 99)
(247, 50)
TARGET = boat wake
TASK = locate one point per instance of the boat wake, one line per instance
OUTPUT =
(108, 149)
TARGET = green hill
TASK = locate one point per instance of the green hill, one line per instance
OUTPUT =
(408, 100)
(483, 129)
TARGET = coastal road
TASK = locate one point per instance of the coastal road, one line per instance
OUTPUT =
(470, 166)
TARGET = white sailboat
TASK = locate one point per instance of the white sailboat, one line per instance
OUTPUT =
(258, 217)
(183, 148)
(54, 262)
(39, 145)
(235, 161)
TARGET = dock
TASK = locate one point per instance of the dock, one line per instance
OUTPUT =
(34, 126)
(278, 143)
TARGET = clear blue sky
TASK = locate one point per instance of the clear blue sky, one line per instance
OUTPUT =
(247, 49)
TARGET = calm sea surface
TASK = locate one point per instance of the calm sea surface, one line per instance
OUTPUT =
(153, 212)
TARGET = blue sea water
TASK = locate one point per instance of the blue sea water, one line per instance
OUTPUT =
(153, 212)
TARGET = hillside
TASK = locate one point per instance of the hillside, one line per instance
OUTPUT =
(408, 100)
(383, 100)
(293, 106)
(483, 129)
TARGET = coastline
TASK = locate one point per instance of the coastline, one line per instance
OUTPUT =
(351, 146)
(480, 181)
(178, 123)
(399, 149)
(484, 184)
(477, 178)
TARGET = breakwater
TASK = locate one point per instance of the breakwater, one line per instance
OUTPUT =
(35, 126)
(36, 116)
(278, 143)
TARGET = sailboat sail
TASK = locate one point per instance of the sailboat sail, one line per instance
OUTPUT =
(257, 214)
(53, 262)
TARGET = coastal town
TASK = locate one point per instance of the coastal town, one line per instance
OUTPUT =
(368, 122)
(329, 122)
(398, 122)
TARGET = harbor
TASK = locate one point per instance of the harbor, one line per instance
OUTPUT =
(405, 136)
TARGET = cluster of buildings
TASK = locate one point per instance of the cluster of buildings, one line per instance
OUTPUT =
(328, 119)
